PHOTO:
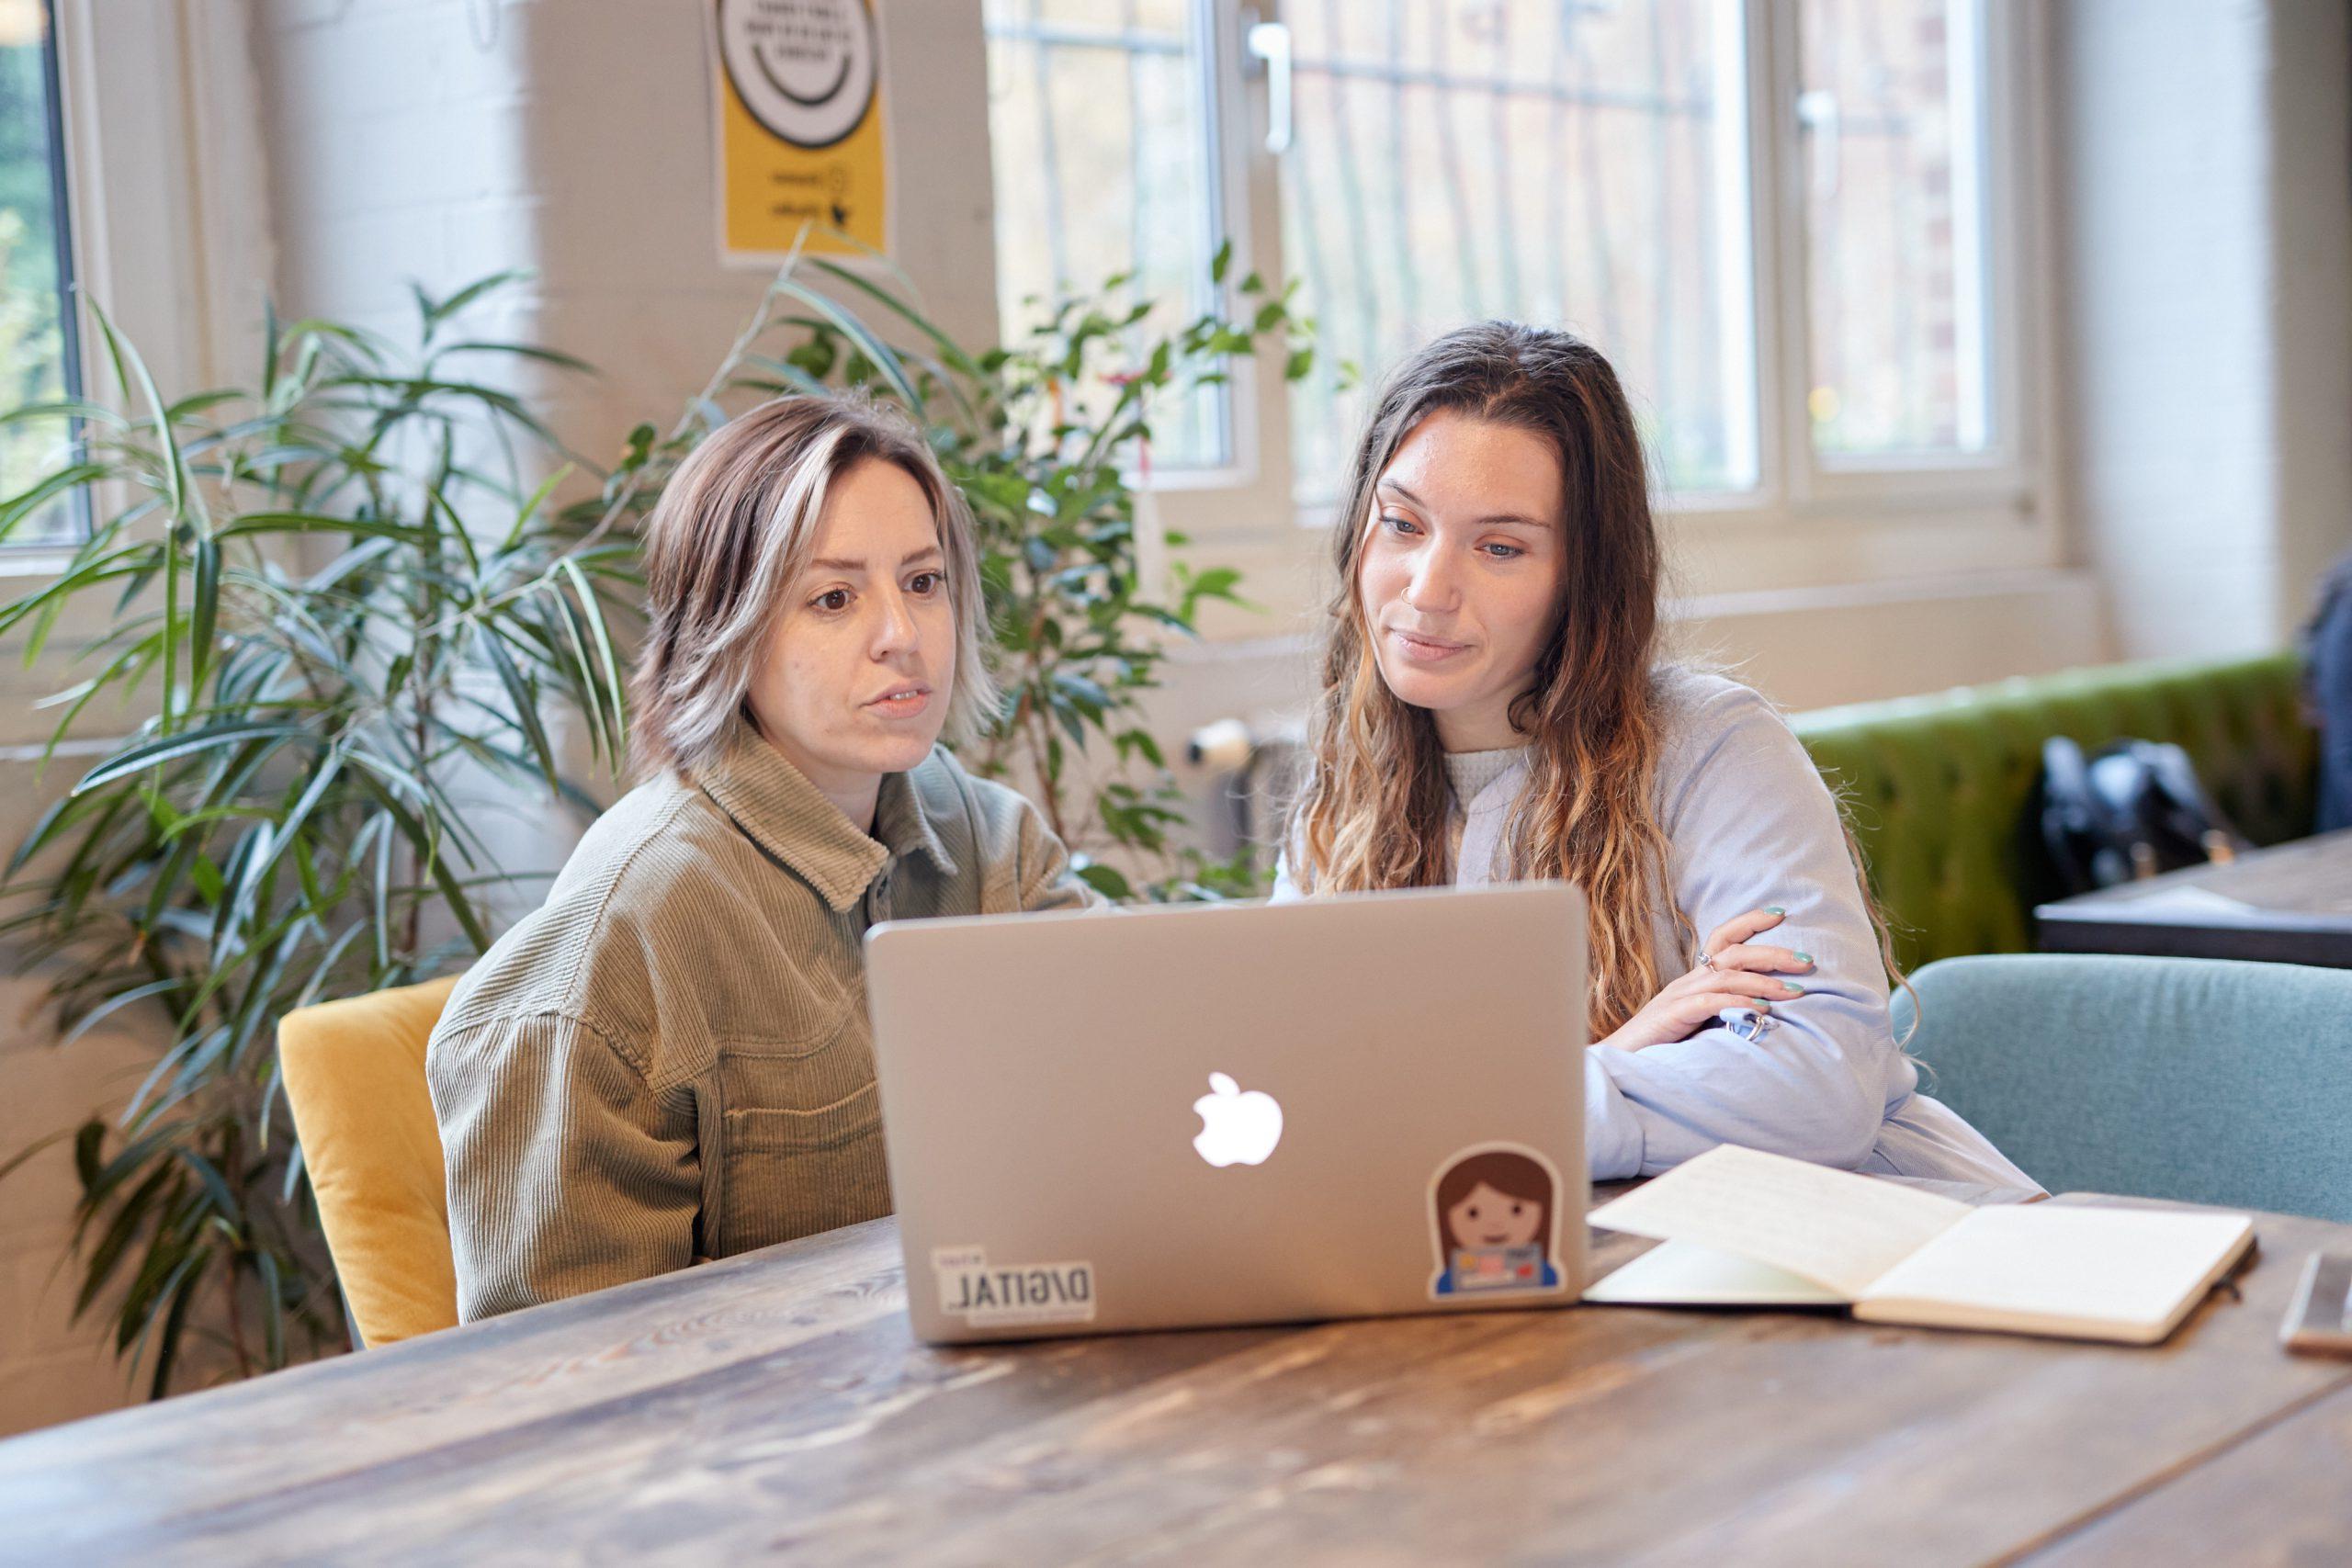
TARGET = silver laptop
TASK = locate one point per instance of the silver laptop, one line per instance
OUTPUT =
(1202, 1116)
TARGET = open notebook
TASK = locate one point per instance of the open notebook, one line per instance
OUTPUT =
(1744, 1228)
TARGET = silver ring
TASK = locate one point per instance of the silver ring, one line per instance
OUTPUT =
(1706, 961)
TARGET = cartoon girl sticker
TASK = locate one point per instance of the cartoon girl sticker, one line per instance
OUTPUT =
(1492, 1208)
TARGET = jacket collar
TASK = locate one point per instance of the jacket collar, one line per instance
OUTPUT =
(780, 810)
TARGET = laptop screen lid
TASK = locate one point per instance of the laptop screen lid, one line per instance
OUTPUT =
(1213, 1115)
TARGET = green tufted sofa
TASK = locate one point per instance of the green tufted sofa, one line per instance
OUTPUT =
(1940, 787)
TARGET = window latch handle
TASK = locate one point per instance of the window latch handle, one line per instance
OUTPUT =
(1818, 114)
(1269, 44)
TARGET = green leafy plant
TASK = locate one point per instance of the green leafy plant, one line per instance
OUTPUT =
(334, 591)
(322, 588)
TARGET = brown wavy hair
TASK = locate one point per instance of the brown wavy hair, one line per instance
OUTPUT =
(1372, 814)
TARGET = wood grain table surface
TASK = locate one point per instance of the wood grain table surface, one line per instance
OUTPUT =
(774, 1407)
(2288, 904)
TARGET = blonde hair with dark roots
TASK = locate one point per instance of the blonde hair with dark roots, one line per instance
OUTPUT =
(1372, 814)
(735, 525)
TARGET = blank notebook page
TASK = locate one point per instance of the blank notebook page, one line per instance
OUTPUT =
(1830, 1226)
(1683, 1273)
(2125, 1273)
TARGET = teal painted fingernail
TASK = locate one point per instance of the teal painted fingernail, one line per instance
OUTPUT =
(1794, 988)
(1804, 957)
(1774, 910)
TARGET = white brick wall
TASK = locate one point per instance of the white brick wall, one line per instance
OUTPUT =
(2206, 312)
(2310, 302)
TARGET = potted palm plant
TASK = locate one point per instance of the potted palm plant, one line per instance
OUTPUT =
(375, 570)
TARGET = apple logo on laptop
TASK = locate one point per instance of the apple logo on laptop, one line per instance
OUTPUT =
(1237, 1128)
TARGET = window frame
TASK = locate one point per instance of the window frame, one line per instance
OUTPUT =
(1248, 493)
(1809, 521)
(1999, 477)
(69, 320)
(166, 221)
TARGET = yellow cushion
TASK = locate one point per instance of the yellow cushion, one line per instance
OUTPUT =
(354, 1077)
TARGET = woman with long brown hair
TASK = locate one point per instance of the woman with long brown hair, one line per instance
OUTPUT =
(1495, 707)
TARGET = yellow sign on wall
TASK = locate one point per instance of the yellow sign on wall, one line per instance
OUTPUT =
(799, 98)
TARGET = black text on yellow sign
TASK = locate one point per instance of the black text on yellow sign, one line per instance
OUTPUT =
(799, 128)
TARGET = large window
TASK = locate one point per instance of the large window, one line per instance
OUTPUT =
(1572, 163)
(1784, 220)
(37, 358)
(1108, 107)
(1890, 107)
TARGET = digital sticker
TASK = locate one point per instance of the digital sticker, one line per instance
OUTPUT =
(1493, 1218)
(991, 1295)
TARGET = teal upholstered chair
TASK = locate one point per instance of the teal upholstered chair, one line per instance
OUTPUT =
(2193, 1078)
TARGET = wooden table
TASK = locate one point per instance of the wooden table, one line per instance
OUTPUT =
(773, 1406)
(2288, 904)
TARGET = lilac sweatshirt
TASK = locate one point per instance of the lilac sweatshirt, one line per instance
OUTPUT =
(1749, 824)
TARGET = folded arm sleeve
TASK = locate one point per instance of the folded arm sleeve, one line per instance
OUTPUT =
(566, 1172)
(1750, 824)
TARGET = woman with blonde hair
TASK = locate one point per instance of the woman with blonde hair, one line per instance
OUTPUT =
(670, 1059)
(1495, 707)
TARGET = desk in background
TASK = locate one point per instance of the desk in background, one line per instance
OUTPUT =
(775, 1405)
(2288, 904)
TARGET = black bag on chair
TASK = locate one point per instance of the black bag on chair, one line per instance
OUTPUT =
(2134, 811)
